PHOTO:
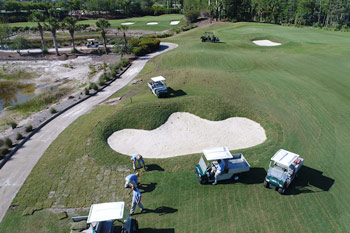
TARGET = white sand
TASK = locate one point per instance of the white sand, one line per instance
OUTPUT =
(265, 43)
(152, 23)
(128, 23)
(184, 133)
(174, 22)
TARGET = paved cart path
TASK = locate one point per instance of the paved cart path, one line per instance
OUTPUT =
(17, 169)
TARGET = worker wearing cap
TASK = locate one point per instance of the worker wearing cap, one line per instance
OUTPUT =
(136, 200)
(220, 167)
(137, 157)
(131, 180)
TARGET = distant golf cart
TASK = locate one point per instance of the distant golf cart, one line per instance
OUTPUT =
(158, 86)
(284, 167)
(92, 43)
(234, 164)
(102, 216)
(209, 37)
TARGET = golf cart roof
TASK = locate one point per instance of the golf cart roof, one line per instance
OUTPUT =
(158, 78)
(217, 153)
(106, 211)
(285, 158)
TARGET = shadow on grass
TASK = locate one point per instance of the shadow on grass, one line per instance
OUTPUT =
(147, 188)
(172, 93)
(256, 175)
(309, 177)
(151, 230)
(163, 210)
(154, 167)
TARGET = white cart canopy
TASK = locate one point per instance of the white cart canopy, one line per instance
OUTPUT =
(158, 78)
(106, 211)
(284, 158)
(217, 153)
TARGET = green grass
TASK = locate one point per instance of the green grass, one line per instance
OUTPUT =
(299, 92)
(40, 102)
(139, 22)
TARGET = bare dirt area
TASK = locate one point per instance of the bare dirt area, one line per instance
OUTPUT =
(49, 72)
(184, 133)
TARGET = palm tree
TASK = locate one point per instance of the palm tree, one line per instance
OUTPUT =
(52, 24)
(70, 23)
(102, 24)
(124, 28)
(38, 17)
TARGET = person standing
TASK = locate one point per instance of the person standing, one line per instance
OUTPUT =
(137, 157)
(220, 167)
(131, 180)
(136, 200)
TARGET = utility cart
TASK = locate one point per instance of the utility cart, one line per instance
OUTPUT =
(209, 37)
(102, 216)
(284, 167)
(234, 164)
(158, 86)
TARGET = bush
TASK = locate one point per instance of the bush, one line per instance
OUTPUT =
(19, 136)
(8, 142)
(87, 91)
(101, 80)
(124, 62)
(93, 86)
(53, 110)
(29, 128)
(13, 124)
(3, 151)
(192, 15)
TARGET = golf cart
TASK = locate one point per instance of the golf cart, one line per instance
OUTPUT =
(234, 164)
(92, 43)
(102, 216)
(209, 36)
(284, 167)
(158, 86)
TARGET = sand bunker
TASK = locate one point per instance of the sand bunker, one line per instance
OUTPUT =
(184, 133)
(174, 22)
(127, 23)
(152, 23)
(265, 43)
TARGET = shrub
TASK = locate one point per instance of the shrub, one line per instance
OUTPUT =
(87, 91)
(19, 136)
(3, 151)
(93, 86)
(53, 110)
(192, 15)
(124, 62)
(8, 142)
(29, 128)
(101, 80)
(13, 124)
(113, 73)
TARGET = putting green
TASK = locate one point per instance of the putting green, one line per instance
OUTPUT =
(299, 93)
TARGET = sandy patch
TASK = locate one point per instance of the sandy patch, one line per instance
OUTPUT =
(127, 23)
(265, 43)
(184, 133)
(152, 23)
(174, 22)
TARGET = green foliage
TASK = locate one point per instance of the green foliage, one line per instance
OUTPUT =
(8, 142)
(19, 136)
(20, 43)
(53, 110)
(29, 128)
(93, 86)
(3, 151)
(13, 124)
(192, 15)
(87, 92)
(144, 46)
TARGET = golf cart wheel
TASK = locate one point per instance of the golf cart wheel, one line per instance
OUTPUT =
(203, 180)
(281, 190)
(266, 184)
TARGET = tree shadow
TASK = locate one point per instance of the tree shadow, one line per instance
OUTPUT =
(172, 93)
(154, 167)
(152, 230)
(309, 177)
(147, 188)
(163, 210)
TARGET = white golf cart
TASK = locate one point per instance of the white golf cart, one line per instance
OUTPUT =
(92, 43)
(284, 167)
(158, 86)
(234, 164)
(102, 216)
